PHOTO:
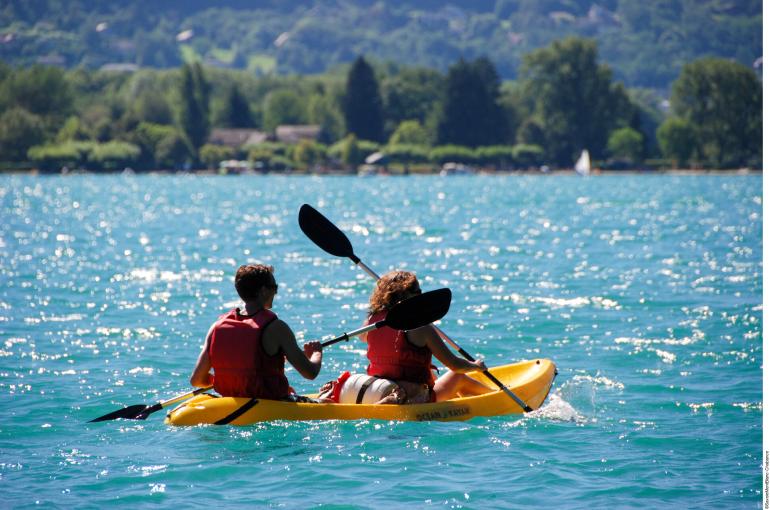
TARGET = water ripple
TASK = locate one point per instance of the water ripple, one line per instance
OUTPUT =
(645, 290)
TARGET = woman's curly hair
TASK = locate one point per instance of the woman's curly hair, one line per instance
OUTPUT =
(393, 287)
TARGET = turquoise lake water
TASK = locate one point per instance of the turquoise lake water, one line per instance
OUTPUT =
(646, 291)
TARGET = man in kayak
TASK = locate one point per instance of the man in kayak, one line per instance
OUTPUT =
(248, 349)
(405, 356)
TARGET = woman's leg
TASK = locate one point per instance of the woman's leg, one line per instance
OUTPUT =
(451, 384)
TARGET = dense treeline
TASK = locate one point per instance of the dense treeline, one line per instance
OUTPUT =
(564, 102)
(645, 42)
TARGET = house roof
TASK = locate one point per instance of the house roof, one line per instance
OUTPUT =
(293, 134)
(236, 137)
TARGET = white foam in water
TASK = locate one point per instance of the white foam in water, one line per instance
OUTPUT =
(557, 409)
(582, 391)
(599, 381)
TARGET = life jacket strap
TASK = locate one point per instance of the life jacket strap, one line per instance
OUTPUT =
(363, 389)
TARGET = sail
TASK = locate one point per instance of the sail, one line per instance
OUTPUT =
(583, 165)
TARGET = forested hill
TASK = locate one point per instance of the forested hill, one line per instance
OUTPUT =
(645, 42)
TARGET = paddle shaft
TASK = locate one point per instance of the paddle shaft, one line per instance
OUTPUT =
(360, 331)
(451, 342)
(363, 266)
(178, 398)
(412, 313)
(142, 411)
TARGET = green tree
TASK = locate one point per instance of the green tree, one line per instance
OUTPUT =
(516, 108)
(677, 139)
(153, 48)
(53, 157)
(19, 130)
(150, 106)
(526, 156)
(407, 154)
(647, 118)
(163, 147)
(410, 132)
(411, 94)
(283, 107)
(5, 71)
(498, 156)
(261, 156)
(574, 97)
(362, 104)
(172, 152)
(98, 122)
(470, 113)
(113, 155)
(194, 104)
(348, 151)
(324, 112)
(211, 155)
(236, 112)
(72, 129)
(308, 153)
(41, 90)
(452, 154)
(722, 100)
(531, 132)
(627, 144)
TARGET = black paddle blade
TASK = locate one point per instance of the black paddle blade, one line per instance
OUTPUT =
(325, 234)
(419, 310)
(129, 413)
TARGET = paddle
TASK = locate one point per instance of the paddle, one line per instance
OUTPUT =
(142, 411)
(333, 241)
(412, 313)
(328, 237)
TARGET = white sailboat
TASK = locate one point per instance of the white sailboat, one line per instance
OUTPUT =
(583, 165)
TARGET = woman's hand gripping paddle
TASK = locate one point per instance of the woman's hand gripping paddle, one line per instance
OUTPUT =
(332, 240)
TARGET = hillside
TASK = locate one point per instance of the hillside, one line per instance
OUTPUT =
(645, 43)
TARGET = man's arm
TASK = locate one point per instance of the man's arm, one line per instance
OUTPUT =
(201, 376)
(307, 363)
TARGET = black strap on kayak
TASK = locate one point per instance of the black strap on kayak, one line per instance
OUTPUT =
(238, 412)
(363, 389)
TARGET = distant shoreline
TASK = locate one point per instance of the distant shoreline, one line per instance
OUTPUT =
(481, 172)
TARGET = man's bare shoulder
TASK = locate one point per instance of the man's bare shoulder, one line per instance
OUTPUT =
(277, 335)
(277, 327)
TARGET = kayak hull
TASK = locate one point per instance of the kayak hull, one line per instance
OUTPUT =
(529, 380)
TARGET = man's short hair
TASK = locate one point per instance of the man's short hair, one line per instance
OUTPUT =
(251, 278)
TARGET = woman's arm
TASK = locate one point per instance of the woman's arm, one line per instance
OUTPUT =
(429, 337)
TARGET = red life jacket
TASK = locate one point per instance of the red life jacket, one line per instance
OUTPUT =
(393, 356)
(242, 368)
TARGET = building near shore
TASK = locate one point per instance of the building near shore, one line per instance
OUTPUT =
(237, 138)
(289, 134)
(295, 134)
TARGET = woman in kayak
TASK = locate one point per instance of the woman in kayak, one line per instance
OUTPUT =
(405, 356)
(247, 349)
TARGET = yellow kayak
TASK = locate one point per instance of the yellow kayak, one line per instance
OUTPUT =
(529, 380)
